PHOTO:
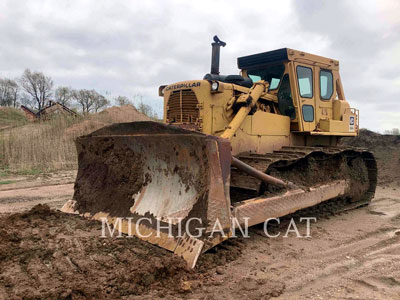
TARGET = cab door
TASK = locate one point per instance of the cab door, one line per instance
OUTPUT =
(304, 82)
(324, 90)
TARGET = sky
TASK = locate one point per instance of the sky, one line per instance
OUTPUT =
(132, 47)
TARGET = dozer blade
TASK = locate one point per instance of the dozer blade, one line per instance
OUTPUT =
(157, 182)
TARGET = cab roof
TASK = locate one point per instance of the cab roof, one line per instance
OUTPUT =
(285, 54)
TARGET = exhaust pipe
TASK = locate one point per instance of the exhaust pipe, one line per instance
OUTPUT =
(215, 54)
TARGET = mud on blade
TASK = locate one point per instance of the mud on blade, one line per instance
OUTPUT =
(160, 176)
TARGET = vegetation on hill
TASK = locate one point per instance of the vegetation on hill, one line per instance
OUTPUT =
(46, 146)
(10, 117)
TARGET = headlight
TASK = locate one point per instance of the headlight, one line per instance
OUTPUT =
(214, 86)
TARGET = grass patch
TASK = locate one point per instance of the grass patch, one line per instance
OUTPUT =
(10, 116)
(33, 171)
(6, 182)
(6, 172)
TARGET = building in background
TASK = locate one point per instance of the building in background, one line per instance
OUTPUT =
(52, 109)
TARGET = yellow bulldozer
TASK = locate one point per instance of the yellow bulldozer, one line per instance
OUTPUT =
(232, 150)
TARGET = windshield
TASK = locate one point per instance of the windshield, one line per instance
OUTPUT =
(272, 74)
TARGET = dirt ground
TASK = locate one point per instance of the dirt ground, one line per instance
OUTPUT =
(45, 254)
(49, 255)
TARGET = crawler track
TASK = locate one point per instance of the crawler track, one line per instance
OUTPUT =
(311, 166)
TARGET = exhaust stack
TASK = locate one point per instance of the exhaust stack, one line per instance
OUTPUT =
(215, 54)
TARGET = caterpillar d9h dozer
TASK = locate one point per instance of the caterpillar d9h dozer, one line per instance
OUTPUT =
(232, 150)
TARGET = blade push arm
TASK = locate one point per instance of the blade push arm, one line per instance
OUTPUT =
(258, 89)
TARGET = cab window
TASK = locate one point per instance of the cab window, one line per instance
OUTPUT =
(326, 84)
(305, 80)
(274, 83)
(308, 113)
(271, 74)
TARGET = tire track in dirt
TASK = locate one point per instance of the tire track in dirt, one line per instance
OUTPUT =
(366, 266)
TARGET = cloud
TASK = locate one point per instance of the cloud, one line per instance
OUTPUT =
(132, 47)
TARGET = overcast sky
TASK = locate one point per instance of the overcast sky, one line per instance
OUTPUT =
(132, 47)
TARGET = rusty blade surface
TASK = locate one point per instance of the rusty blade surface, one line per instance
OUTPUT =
(162, 173)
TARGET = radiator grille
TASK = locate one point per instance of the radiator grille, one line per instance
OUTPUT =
(182, 107)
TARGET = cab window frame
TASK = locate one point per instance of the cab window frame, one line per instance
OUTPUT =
(298, 81)
(332, 83)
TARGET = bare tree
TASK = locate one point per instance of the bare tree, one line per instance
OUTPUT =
(394, 131)
(144, 108)
(14, 92)
(99, 101)
(89, 100)
(84, 99)
(63, 95)
(26, 100)
(4, 93)
(9, 91)
(122, 100)
(38, 86)
(147, 110)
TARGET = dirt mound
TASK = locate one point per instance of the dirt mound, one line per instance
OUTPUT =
(115, 114)
(386, 149)
(125, 113)
(45, 254)
(372, 140)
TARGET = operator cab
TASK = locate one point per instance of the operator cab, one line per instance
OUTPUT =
(307, 87)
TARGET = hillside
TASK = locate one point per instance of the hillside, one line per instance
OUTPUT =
(115, 114)
(50, 145)
(10, 117)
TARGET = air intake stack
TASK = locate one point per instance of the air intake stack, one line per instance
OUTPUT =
(215, 54)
